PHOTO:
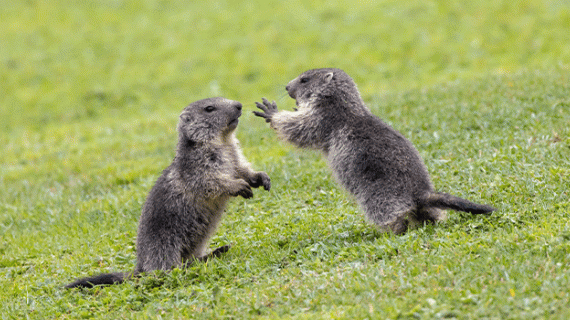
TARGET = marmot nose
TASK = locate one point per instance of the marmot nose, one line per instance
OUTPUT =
(289, 91)
(237, 105)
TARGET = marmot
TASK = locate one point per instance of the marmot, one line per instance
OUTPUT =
(185, 205)
(374, 162)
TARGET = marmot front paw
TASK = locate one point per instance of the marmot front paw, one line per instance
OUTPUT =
(268, 108)
(260, 179)
(242, 189)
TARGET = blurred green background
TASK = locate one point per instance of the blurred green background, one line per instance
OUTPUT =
(67, 61)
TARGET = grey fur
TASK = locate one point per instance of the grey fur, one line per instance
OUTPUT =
(374, 162)
(184, 207)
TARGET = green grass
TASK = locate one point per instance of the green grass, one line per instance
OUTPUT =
(90, 92)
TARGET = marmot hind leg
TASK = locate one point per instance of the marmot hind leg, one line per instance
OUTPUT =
(214, 254)
(400, 225)
(423, 215)
(430, 214)
(413, 219)
(391, 216)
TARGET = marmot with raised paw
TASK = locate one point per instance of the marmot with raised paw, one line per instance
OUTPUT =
(374, 162)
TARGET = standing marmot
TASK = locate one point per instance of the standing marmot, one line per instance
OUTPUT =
(185, 205)
(369, 158)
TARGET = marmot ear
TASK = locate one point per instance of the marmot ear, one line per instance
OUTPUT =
(328, 77)
(186, 118)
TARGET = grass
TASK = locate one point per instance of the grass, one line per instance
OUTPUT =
(90, 92)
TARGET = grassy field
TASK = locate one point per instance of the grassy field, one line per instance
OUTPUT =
(90, 93)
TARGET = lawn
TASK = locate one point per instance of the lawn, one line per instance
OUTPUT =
(90, 93)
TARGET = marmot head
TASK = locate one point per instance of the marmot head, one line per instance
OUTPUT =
(208, 119)
(320, 85)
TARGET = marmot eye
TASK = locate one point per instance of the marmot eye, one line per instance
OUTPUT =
(210, 108)
(304, 80)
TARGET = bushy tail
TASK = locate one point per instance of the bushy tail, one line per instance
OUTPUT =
(102, 279)
(446, 201)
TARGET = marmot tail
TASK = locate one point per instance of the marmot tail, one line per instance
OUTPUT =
(102, 279)
(446, 201)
